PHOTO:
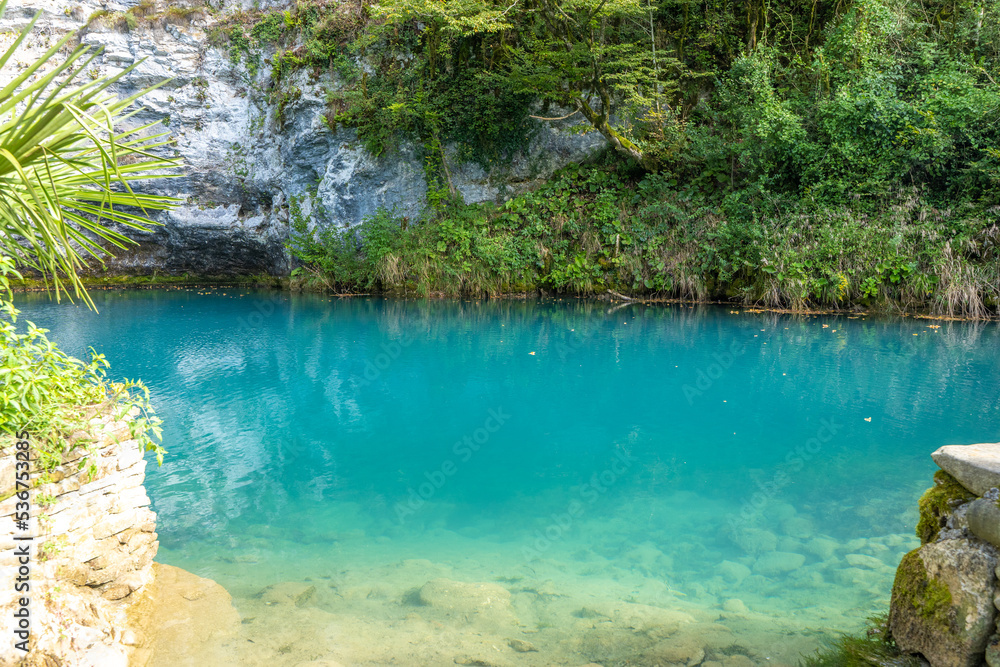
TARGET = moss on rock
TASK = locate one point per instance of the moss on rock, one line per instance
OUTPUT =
(937, 503)
(914, 588)
(936, 602)
(942, 602)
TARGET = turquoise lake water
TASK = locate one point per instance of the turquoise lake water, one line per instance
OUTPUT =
(420, 483)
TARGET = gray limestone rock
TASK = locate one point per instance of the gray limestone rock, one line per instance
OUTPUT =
(984, 520)
(942, 602)
(976, 467)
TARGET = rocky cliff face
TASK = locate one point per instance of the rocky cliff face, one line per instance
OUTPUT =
(243, 165)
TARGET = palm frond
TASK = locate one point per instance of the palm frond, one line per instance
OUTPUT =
(69, 164)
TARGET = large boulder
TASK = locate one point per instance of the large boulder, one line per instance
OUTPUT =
(183, 620)
(976, 467)
(942, 602)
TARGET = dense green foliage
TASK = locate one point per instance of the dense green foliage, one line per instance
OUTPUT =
(336, 260)
(825, 99)
(595, 228)
(804, 153)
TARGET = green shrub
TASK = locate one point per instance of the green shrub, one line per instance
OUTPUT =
(52, 395)
(347, 259)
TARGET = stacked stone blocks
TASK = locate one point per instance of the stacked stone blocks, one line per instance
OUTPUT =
(93, 547)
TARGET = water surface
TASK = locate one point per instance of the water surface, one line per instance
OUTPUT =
(632, 485)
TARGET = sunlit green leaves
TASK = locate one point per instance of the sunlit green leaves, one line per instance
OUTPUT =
(51, 395)
(596, 57)
(460, 18)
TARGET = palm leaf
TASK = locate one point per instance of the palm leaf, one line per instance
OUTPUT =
(69, 165)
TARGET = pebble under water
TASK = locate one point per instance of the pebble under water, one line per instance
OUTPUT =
(554, 482)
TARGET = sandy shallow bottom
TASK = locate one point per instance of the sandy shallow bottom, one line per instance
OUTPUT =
(341, 590)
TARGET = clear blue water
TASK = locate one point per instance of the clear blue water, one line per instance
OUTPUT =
(639, 480)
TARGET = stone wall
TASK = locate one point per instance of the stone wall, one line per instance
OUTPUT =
(945, 597)
(93, 547)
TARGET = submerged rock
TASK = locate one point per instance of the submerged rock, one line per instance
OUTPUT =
(650, 620)
(755, 540)
(798, 526)
(183, 619)
(734, 572)
(869, 580)
(735, 606)
(288, 592)
(976, 467)
(645, 555)
(688, 653)
(865, 561)
(942, 602)
(521, 646)
(477, 602)
(823, 547)
(474, 661)
(778, 562)
(640, 618)
(462, 596)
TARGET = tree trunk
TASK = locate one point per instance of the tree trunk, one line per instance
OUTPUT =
(620, 144)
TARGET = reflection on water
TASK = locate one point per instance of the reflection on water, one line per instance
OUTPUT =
(632, 484)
